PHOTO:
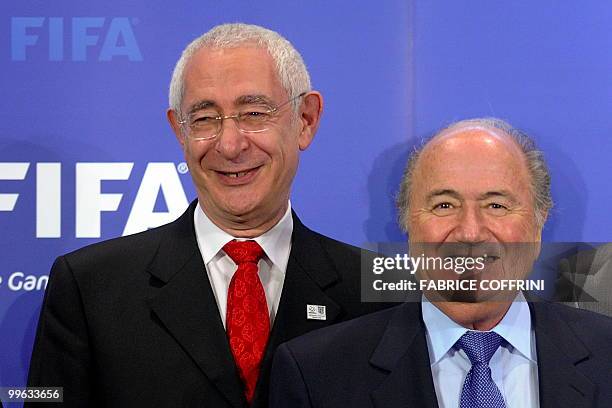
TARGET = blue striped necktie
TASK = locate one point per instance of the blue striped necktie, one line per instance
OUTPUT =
(479, 389)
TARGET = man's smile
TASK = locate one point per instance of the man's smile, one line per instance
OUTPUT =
(240, 177)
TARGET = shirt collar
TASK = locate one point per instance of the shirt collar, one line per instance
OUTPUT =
(276, 242)
(515, 327)
(443, 332)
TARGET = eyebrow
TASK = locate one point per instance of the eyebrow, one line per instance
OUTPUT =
(253, 100)
(203, 104)
(500, 193)
(489, 194)
(441, 192)
(240, 101)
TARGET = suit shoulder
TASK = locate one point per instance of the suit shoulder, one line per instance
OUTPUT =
(335, 247)
(593, 329)
(347, 258)
(117, 264)
(585, 319)
(339, 252)
(130, 246)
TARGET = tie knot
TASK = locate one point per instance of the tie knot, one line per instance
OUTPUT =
(243, 251)
(480, 346)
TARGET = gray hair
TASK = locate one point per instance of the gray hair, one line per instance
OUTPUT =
(536, 165)
(290, 66)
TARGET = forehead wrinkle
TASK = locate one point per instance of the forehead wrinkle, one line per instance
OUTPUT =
(498, 193)
(226, 68)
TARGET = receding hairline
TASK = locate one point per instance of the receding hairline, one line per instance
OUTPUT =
(461, 129)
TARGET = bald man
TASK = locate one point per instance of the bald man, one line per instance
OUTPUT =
(481, 187)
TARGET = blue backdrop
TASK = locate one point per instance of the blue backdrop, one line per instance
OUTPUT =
(86, 153)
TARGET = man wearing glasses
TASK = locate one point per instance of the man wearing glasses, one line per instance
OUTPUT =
(189, 314)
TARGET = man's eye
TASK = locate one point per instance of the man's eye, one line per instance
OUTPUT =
(444, 205)
(255, 115)
(443, 209)
(205, 118)
(497, 209)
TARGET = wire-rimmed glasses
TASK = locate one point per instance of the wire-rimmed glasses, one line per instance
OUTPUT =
(206, 124)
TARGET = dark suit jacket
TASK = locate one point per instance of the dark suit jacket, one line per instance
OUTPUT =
(381, 360)
(133, 321)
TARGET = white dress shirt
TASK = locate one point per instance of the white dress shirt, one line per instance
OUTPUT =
(220, 268)
(514, 367)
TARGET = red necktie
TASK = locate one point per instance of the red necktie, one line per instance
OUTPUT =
(247, 319)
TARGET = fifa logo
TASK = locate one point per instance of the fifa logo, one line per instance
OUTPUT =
(90, 200)
(74, 39)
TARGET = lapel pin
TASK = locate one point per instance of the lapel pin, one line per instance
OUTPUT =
(315, 312)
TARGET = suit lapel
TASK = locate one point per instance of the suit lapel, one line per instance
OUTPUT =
(186, 306)
(402, 352)
(559, 353)
(309, 272)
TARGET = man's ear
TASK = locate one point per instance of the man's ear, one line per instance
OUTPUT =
(173, 119)
(310, 116)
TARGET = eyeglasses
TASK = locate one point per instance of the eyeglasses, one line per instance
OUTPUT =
(206, 124)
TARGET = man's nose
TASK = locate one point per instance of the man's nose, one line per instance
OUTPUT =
(471, 226)
(231, 141)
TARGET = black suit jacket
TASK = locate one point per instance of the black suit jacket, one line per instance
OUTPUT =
(133, 321)
(381, 360)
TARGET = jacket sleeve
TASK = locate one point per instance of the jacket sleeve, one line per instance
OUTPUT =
(61, 354)
(287, 386)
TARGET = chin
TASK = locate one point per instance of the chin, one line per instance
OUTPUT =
(240, 209)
